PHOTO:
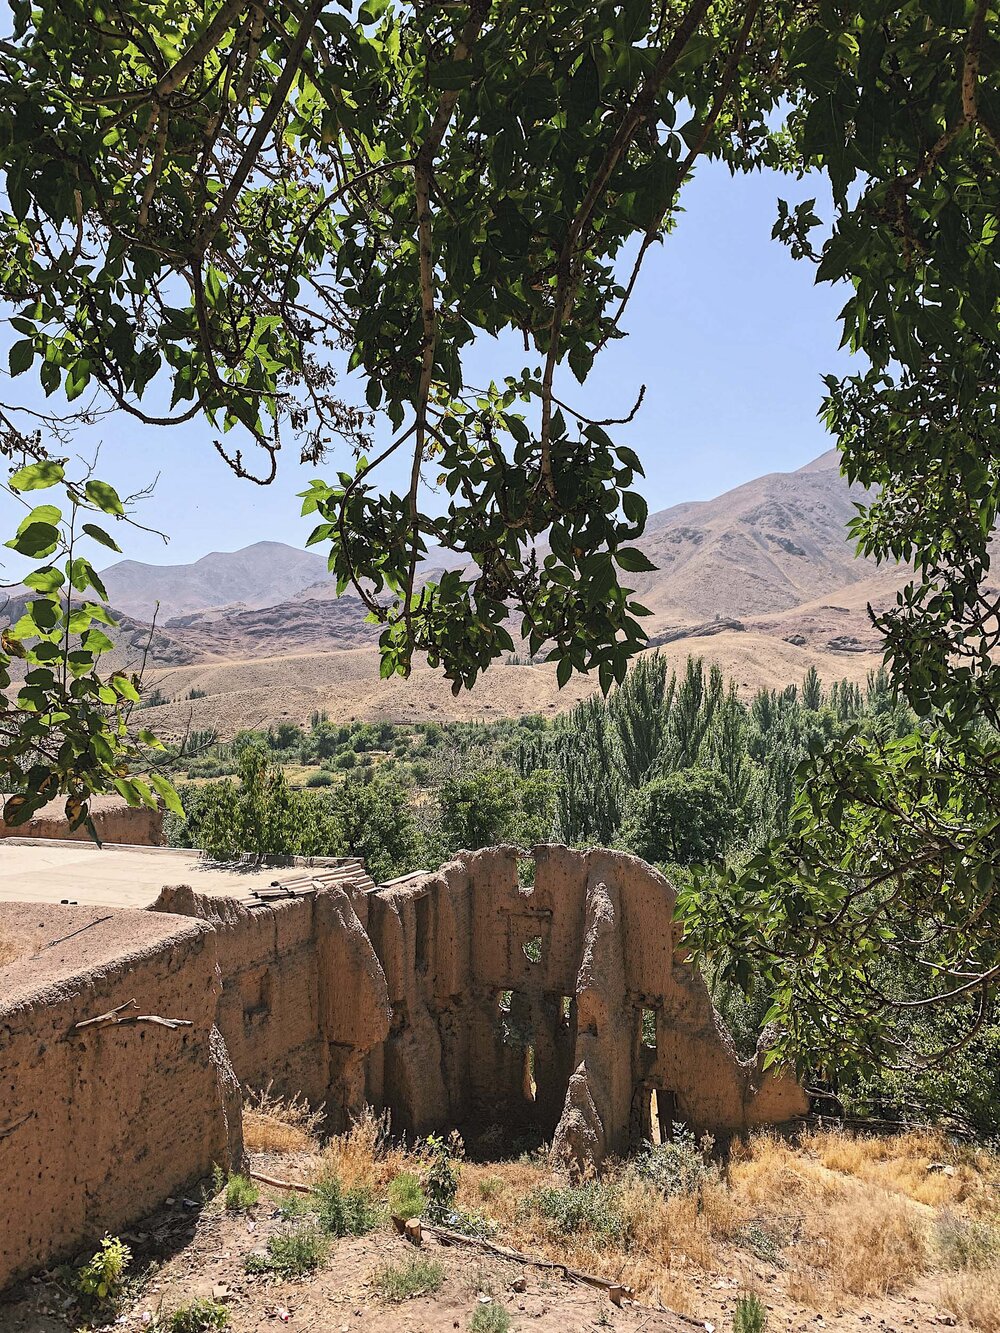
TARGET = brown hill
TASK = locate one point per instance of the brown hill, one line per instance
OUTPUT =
(762, 580)
(763, 547)
(258, 575)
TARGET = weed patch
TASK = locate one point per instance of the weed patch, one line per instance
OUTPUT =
(341, 1212)
(201, 1316)
(595, 1207)
(406, 1198)
(291, 1253)
(241, 1194)
(401, 1282)
(490, 1318)
(749, 1315)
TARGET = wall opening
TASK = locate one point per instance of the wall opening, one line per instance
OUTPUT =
(423, 916)
(505, 1000)
(648, 1029)
(533, 949)
(662, 1115)
(529, 1087)
(566, 1010)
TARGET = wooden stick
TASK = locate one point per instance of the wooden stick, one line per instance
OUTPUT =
(281, 1184)
(111, 1016)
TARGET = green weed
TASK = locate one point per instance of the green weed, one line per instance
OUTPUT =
(406, 1198)
(241, 1194)
(490, 1318)
(342, 1212)
(594, 1207)
(401, 1282)
(291, 1253)
(101, 1280)
(749, 1315)
(202, 1316)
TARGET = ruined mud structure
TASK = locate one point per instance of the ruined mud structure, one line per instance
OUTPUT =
(455, 998)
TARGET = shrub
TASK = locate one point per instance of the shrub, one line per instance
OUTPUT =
(291, 1253)
(101, 1281)
(280, 1124)
(406, 1198)
(401, 1282)
(202, 1316)
(292, 1207)
(749, 1315)
(677, 1167)
(320, 779)
(241, 1194)
(966, 1244)
(594, 1207)
(762, 1243)
(490, 1318)
(341, 1212)
(440, 1179)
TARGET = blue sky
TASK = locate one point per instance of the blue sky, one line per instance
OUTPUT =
(729, 334)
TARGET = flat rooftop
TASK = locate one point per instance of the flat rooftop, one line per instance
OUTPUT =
(33, 870)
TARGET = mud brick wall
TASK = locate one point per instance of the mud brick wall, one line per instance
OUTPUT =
(98, 1125)
(460, 998)
(568, 1005)
(303, 999)
(114, 819)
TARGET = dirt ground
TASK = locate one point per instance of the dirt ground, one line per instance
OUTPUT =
(832, 1233)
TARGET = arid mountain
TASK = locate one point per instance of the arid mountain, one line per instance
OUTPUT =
(762, 580)
(259, 575)
(759, 549)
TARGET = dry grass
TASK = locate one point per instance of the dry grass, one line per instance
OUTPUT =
(869, 1244)
(839, 1221)
(974, 1296)
(280, 1124)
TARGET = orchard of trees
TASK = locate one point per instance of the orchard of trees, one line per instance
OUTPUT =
(212, 210)
(675, 769)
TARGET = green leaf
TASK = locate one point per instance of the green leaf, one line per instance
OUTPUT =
(99, 535)
(169, 796)
(37, 540)
(96, 641)
(105, 497)
(631, 559)
(38, 476)
(21, 355)
(584, 94)
(47, 579)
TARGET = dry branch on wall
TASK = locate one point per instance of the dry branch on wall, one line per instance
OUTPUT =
(119, 1015)
(16, 1124)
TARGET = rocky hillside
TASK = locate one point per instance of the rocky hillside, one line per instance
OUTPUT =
(259, 575)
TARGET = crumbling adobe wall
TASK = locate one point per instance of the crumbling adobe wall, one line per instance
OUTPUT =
(525, 1004)
(114, 819)
(98, 1124)
(303, 998)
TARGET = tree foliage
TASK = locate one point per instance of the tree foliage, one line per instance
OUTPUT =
(65, 727)
(215, 201)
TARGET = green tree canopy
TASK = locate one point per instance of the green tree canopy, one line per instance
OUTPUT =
(219, 199)
(684, 817)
